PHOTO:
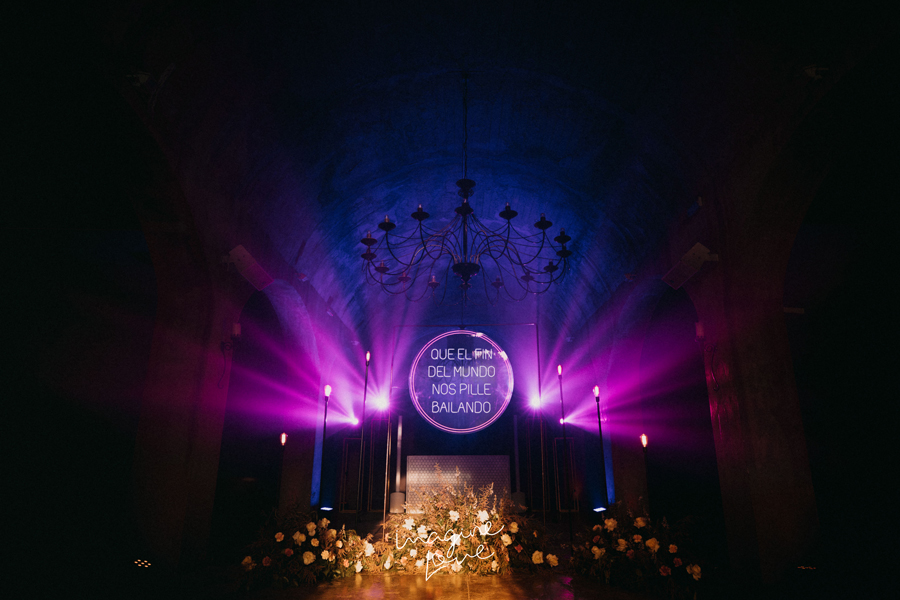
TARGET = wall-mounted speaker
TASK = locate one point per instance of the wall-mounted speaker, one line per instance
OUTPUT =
(689, 264)
(249, 268)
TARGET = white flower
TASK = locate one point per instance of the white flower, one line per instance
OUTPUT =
(404, 560)
(311, 528)
(248, 563)
(308, 557)
(455, 567)
(483, 516)
(598, 552)
(299, 538)
(506, 539)
(495, 565)
(551, 558)
(339, 544)
(330, 534)
(538, 557)
(483, 528)
(370, 549)
(694, 571)
(358, 566)
(409, 524)
(413, 552)
(325, 554)
(422, 531)
(323, 523)
(610, 524)
(514, 527)
(314, 542)
(430, 555)
(454, 516)
(420, 562)
(454, 539)
(387, 563)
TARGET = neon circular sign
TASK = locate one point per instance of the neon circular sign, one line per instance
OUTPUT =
(461, 381)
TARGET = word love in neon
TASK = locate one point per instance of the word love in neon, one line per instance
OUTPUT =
(434, 562)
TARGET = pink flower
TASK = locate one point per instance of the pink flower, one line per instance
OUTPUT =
(630, 554)
(596, 539)
(665, 571)
(288, 552)
(677, 562)
(267, 561)
(518, 548)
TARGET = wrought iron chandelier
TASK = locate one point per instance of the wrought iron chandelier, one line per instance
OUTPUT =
(511, 262)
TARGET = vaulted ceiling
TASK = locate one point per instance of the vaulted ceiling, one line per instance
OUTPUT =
(306, 123)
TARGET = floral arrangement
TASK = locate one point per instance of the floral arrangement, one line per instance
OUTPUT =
(637, 553)
(459, 530)
(295, 551)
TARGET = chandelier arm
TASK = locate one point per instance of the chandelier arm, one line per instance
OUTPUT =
(399, 246)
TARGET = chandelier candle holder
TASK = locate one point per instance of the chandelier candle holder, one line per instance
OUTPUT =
(512, 262)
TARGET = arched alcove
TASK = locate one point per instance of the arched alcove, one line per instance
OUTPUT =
(682, 474)
(838, 297)
(250, 459)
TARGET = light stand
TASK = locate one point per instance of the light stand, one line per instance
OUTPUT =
(602, 457)
(646, 470)
(362, 437)
(565, 469)
(324, 428)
